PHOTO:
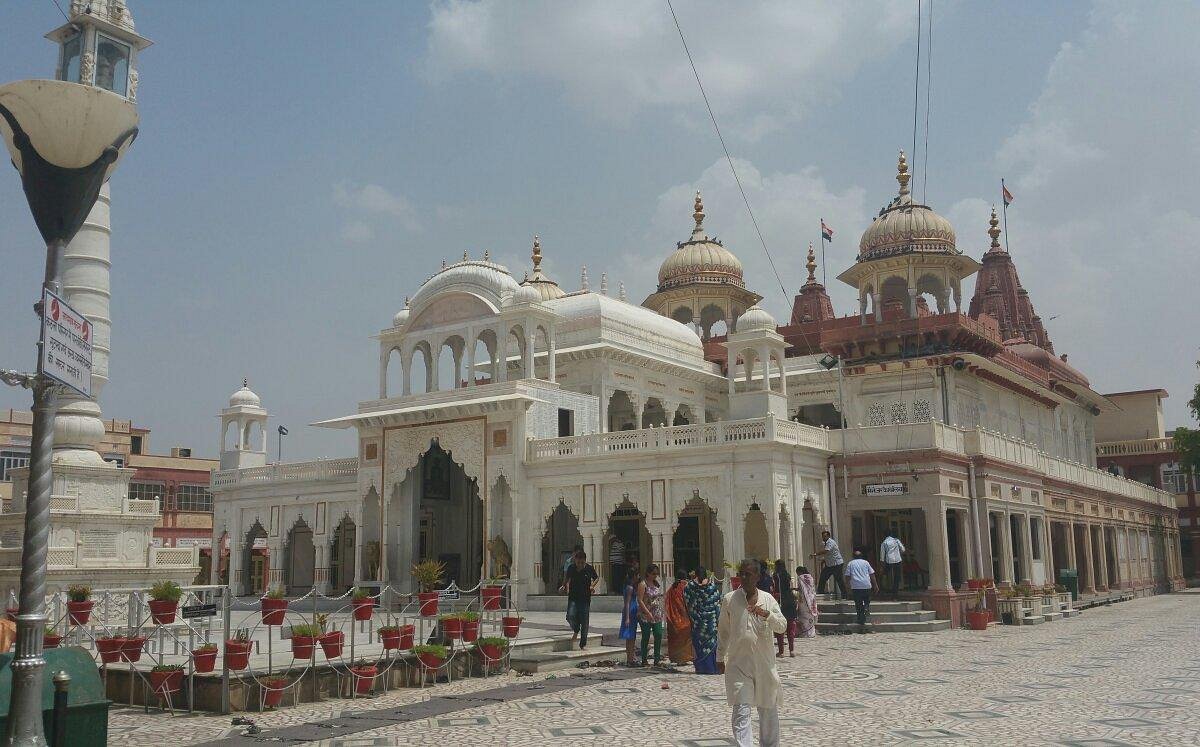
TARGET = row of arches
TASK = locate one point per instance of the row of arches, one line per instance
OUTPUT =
(456, 361)
(916, 299)
(712, 321)
(625, 413)
(298, 565)
(767, 363)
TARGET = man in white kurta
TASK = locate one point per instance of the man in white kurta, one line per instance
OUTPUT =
(750, 619)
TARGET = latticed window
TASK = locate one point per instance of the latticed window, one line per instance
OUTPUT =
(922, 411)
(148, 491)
(875, 415)
(193, 498)
(899, 412)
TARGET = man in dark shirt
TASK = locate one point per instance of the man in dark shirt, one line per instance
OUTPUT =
(580, 582)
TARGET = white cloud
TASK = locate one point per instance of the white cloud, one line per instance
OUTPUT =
(357, 232)
(763, 64)
(372, 199)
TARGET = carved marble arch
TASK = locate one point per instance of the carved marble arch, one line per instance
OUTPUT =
(462, 440)
(682, 314)
(424, 374)
(517, 340)
(713, 321)
(894, 289)
(485, 363)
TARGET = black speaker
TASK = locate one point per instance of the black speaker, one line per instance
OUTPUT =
(958, 364)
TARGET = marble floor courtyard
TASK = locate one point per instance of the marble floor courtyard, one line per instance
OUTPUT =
(1128, 674)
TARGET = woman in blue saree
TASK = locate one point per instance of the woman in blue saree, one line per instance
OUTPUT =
(703, 599)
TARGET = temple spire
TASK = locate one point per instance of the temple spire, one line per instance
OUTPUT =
(994, 231)
(537, 254)
(902, 174)
(698, 215)
(811, 264)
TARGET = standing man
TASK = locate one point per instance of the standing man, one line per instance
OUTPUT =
(891, 552)
(862, 583)
(832, 556)
(581, 584)
(750, 620)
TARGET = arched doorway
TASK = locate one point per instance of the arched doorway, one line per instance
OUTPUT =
(299, 559)
(450, 511)
(756, 540)
(560, 540)
(627, 543)
(254, 562)
(341, 556)
(698, 540)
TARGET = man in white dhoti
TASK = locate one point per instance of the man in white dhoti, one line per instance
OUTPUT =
(750, 619)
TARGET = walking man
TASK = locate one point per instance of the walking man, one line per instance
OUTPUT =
(862, 583)
(750, 619)
(581, 584)
(832, 556)
(891, 552)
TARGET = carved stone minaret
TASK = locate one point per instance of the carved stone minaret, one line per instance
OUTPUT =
(1000, 295)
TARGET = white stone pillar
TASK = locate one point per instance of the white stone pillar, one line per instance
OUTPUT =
(551, 362)
(472, 343)
(939, 549)
(1088, 555)
(1027, 548)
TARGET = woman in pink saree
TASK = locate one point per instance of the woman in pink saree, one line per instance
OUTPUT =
(806, 590)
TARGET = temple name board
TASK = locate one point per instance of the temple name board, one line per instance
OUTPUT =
(887, 488)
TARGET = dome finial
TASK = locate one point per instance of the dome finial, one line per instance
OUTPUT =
(994, 230)
(621, 292)
(464, 259)
(699, 211)
(902, 174)
(604, 283)
(246, 382)
(487, 255)
(583, 281)
(811, 264)
(537, 254)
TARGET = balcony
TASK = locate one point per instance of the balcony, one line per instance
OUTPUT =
(1135, 447)
(321, 470)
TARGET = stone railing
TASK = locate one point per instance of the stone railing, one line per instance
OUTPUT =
(930, 434)
(658, 440)
(70, 557)
(138, 506)
(173, 557)
(1136, 446)
(317, 471)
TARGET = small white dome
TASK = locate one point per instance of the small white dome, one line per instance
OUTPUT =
(525, 294)
(700, 260)
(402, 315)
(755, 319)
(244, 397)
(905, 227)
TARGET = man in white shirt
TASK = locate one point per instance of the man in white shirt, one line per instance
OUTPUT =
(832, 557)
(862, 583)
(750, 619)
(891, 553)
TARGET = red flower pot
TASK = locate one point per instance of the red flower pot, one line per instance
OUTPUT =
(491, 597)
(302, 646)
(132, 650)
(272, 696)
(363, 608)
(51, 640)
(273, 610)
(331, 644)
(407, 632)
(166, 682)
(110, 649)
(491, 652)
(162, 611)
(512, 625)
(204, 661)
(974, 583)
(431, 661)
(429, 603)
(735, 583)
(364, 678)
(452, 628)
(470, 630)
(80, 612)
(237, 654)
(978, 619)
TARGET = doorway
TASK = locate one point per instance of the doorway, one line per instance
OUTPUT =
(560, 540)
(627, 544)
(449, 518)
(697, 540)
(341, 556)
(300, 559)
(254, 583)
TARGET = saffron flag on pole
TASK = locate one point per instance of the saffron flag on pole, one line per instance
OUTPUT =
(826, 232)
(1008, 198)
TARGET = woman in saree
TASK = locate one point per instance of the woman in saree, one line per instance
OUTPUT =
(679, 624)
(806, 589)
(703, 600)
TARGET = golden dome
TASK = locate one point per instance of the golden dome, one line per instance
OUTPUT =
(700, 259)
(905, 227)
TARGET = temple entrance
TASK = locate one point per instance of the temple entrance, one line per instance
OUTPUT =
(558, 543)
(953, 549)
(450, 517)
(1016, 525)
(756, 540)
(627, 544)
(300, 559)
(341, 556)
(908, 524)
(697, 540)
(994, 540)
(254, 581)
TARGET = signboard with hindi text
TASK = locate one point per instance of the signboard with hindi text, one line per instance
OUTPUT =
(887, 488)
(66, 344)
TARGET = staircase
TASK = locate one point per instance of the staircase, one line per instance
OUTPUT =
(554, 653)
(887, 617)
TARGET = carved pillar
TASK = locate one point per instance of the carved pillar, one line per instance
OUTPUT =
(1103, 553)
(502, 353)
(939, 549)
(1027, 548)
(912, 303)
(472, 343)
(875, 297)
(551, 363)
(1088, 556)
(1006, 554)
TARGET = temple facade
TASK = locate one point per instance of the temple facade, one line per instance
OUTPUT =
(515, 420)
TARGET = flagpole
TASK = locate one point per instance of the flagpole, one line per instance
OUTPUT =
(1004, 202)
(821, 231)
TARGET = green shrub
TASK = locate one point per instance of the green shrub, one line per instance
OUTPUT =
(276, 593)
(167, 668)
(166, 591)
(79, 593)
(361, 594)
(205, 647)
(310, 631)
(492, 641)
(440, 652)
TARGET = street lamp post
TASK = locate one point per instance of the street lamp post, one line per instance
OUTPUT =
(65, 140)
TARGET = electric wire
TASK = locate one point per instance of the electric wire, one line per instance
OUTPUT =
(60, 10)
(928, 87)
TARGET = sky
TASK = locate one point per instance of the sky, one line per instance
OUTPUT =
(304, 166)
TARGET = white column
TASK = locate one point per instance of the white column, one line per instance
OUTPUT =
(552, 363)
(939, 550)
(502, 353)
(472, 343)
(527, 364)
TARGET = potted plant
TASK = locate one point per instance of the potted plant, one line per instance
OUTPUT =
(731, 572)
(364, 674)
(131, 651)
(50, 639)
(470, 625)
(109, 647)
(166, 678)
(491, 649)
(204, 657)
(390, 636)
(273, 689)
(428, 575)
(978, 617)
(511, 625)
(79, 604)
(431, 656)
(237, 650)
(274, 606)
(363, 604)
(304, 639)
(331, 642)
(451, 626)
(164, 600)
(490, 595)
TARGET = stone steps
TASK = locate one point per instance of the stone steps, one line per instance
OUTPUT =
(921, 626)
(877, 605)
(552, 654)
(903, 616)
